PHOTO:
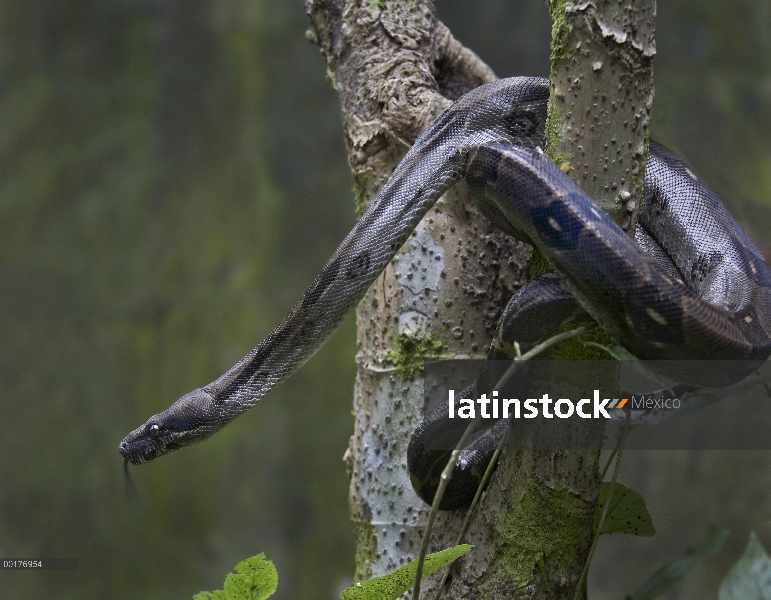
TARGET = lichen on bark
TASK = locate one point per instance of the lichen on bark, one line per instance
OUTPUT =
(411, 350)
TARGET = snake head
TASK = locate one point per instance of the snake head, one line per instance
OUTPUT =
(189, 420)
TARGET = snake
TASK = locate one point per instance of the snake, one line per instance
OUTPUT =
(690, 284)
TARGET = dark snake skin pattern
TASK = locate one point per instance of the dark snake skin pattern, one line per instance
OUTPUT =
(693, 286)
(704, 290)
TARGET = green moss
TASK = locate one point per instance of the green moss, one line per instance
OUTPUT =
(551, 134)
(575, 349)
(542, 529)
(560, 50)
(553, 128)
(539, 264)
(366, 550)
(560, 30)
(411, 349)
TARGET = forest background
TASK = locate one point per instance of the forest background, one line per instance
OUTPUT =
(172, 177)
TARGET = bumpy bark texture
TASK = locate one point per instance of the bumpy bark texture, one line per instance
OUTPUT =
(396, 69)
(536, 543)
(602, 93)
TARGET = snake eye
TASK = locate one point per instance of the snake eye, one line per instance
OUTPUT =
(154, 430)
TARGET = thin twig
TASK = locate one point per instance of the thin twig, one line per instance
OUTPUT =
(610, 460)
(481, 487)
(477, 497)
(443, 481)
(579, 585)
(615, 451)
(537, 350)
(450, 467)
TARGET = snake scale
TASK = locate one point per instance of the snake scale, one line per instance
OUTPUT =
(691, 285)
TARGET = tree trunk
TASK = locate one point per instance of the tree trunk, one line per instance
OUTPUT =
(602, 94)
(396, 69)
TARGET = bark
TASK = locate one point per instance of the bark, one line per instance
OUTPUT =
(534, 527)
(396, 68)
(602, 93)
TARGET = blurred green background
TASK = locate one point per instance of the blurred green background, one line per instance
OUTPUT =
(172, 177)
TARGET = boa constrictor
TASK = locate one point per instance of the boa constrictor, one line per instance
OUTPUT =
(690, 286)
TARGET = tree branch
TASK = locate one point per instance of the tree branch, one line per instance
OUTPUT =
(457, 69)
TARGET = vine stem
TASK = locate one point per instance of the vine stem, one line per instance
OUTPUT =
(444, 480)
(610, 461)
(585, 571)
(477, 498)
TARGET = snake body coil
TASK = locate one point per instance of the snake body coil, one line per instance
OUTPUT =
(692, 286)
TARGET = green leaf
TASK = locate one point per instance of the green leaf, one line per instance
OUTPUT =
(253, 579)
(393, 585)
(626, 512)
(750, 577)
(670, 575)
